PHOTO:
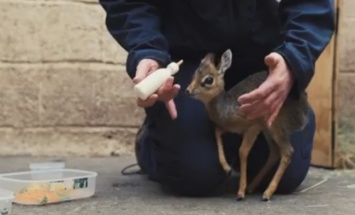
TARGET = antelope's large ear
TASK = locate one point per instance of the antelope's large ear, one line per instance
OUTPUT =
(225, 62)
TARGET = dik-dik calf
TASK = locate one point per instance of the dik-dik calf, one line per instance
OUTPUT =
(207, 85)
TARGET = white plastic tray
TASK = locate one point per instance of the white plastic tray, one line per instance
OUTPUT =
(6, 198)
(45, 187)
(47, 165)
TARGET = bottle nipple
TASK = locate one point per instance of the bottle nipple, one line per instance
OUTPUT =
(173, 67)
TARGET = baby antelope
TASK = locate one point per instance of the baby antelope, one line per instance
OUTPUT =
(207, 85)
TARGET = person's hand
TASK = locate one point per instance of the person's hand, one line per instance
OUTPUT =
(269, 97)
(166, 93)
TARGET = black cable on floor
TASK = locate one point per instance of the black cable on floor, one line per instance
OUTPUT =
(139, 172)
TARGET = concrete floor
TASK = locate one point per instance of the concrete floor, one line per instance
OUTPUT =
(118, 194)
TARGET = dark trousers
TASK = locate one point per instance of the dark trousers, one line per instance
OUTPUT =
(182, 155)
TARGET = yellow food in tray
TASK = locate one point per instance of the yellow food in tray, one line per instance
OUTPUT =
(44, 193)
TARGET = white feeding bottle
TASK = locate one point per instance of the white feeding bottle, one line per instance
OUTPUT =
(155, 80)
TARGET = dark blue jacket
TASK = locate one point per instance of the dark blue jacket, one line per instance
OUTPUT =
(168, 30)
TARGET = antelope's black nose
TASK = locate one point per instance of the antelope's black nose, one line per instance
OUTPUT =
(187, 91)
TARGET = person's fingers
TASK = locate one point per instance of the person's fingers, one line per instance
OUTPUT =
(260, 108)
(258, 113)
(170, 105)
(274, 114)
(148, 102)
(260, 93)
(144, 67)
(246, 109)
(172, 93)
(141, 72)
(166, 86)
(168, 91)
(271, 60)
(175, 90)
(152, 68)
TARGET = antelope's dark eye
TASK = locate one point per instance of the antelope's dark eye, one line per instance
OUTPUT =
(208, 81)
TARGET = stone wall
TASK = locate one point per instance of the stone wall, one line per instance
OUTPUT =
(347, 62)
(63, 86)
(64, 90)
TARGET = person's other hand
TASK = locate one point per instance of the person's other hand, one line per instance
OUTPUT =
(269, 97)
(165, 93)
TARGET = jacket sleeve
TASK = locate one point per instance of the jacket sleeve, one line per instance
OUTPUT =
(308, 26)
(135, 25)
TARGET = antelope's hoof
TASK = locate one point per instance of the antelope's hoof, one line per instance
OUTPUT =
(228, 171)
(266, 198)
(240, 196)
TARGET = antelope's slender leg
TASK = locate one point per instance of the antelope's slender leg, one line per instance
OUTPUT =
(286, 151)
(249, 138)
(221, 155)
(274, 156)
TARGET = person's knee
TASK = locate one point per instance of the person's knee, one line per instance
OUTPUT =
(193, 176)
(197, 182)
(293, 177)
(292, 180)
